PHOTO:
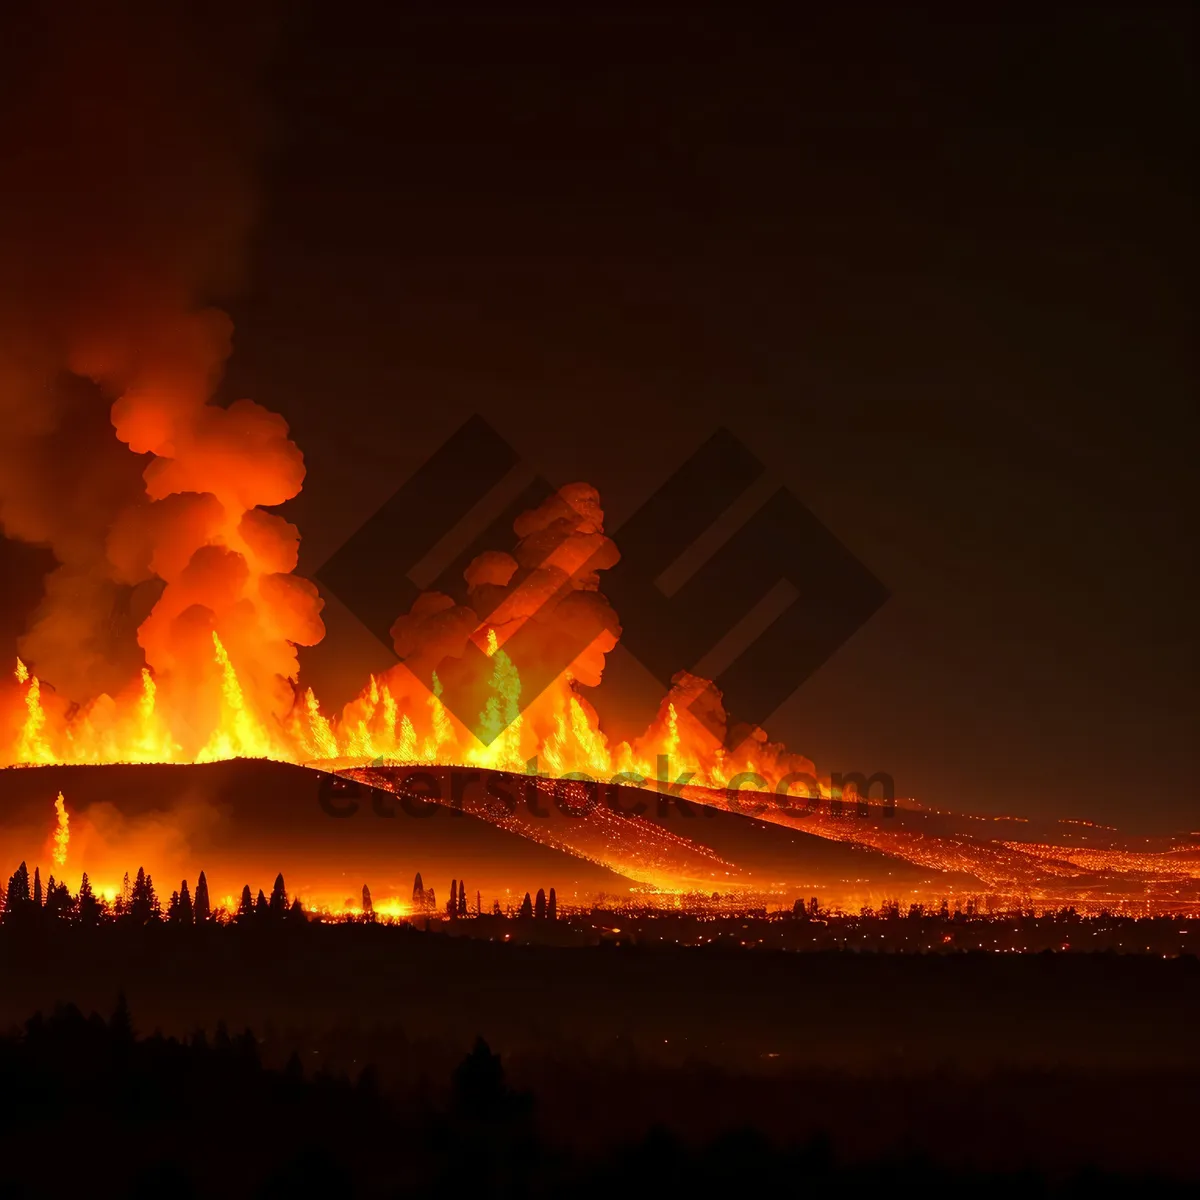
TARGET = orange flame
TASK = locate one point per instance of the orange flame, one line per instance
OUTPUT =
(62, 833)
(222, 706)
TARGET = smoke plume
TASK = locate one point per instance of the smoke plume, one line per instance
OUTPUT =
(131, 132)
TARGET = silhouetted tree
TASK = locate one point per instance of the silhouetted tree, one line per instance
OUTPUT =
(452, 903)
(59, 902)
(368, 905)
(478, 903)
(16, 895)
(552, 907)
(245, 906)
(462, 899)
(37, 887)
(479, 1092)
(279, 900)
(173, 909)
(814, 907)
(497, 911)
(122, 902)
(88, 906)
(261, 908)
(418, 896)
(539, 906)
(187, 914)
(143, 901)
(296, 912)
(526, 906)
(120, 1024)
(17, 898)
(203, 908)
(431, 900)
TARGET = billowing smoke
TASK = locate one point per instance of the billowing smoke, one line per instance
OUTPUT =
(130, 137)
(542, 603)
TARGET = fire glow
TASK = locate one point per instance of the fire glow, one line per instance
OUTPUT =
(201, 701)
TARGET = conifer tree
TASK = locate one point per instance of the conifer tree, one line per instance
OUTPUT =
(552, 907)
(452, 903)
(202, 906)
(245, 905)
(143, 901)
(88, 905)
(261, 907)
(187, 915)
(121, 1023)
(37, 887)
(539, 907)
(526, 906)
(462, 899)
(279, 900)
(18, 888)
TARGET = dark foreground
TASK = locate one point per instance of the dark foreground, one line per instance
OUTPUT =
(606, 1069)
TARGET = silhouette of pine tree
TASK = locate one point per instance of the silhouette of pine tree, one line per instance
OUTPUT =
(18, 887)
(187, 915)
(418, 896)
(462, 898)
(37, 887)
(497, 911)
(452, 903)
(296, 912)
(279, 900)
(261, 907)
(526, 906)
(120, 1024)
(552, 907)
(87, 904)
(245, 906)
(203, 907)
(143, 902)
(367, 906)
(59, 903)
(173, 909)
(17, 898)
(431, 900)
(539, 907)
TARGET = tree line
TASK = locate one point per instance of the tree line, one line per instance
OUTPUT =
(26, 901)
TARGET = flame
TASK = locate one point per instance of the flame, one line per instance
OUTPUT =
(204, 701)
(62, 833)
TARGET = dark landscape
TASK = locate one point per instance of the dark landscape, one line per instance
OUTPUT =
(598, 600)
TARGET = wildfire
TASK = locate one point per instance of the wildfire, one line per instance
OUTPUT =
(62, 832)
(220, 680)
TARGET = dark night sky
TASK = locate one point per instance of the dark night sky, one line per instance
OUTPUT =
(929, 268)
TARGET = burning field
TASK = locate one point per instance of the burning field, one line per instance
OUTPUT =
(156, 708)
(485, 717)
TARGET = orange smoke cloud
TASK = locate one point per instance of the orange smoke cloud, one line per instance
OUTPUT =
(131, 193)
